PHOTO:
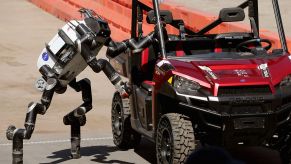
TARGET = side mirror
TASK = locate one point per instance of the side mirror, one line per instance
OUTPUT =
(232, 14)
(166, 17)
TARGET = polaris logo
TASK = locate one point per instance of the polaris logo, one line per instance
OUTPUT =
(243, 80)
(246, 100)
(241, 73)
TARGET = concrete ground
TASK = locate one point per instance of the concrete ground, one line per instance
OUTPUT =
(24, 29)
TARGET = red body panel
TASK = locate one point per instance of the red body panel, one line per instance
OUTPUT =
(240, 72)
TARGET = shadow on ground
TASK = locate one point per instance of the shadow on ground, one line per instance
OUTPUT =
(147, 151)
(100, 154)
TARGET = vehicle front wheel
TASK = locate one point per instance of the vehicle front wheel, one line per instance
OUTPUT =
(124, 137)
(175, 139)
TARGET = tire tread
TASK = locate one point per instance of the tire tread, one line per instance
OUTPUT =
(183, 136)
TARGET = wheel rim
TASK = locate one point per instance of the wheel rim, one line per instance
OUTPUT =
(166, 146)
(117, 123)
(165, 143)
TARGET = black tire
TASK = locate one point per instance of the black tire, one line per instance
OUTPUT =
(285, 151)
(124, 137)
(282, 143)
(285, 157)
(175, 139)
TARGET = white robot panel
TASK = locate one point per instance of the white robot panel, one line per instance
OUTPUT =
(61, 53)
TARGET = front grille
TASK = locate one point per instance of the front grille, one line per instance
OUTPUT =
(244, 91)
(286, 100)
(247, 109)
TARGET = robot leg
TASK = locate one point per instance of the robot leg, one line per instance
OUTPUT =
(77, 117)
(17, 135)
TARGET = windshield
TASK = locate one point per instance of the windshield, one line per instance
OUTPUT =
(227, 36)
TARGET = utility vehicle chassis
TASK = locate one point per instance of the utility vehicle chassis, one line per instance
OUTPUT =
(193, 88)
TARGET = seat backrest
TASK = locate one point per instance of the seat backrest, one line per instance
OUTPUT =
(148, 61)
(227, 42)
(190, 46)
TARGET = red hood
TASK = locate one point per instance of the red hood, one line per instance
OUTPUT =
(231, 71)
(243, 72)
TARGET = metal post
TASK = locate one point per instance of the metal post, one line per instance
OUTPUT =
(280, 25)
(134, 18)
(160, 30)
(256, 14)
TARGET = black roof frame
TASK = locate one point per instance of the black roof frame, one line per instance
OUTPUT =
(253, 12)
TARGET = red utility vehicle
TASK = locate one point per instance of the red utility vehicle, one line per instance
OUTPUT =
(194, 88)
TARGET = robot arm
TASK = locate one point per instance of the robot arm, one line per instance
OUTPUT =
(115, 48)
(99, 39)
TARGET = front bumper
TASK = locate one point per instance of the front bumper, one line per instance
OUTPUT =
(228, 121)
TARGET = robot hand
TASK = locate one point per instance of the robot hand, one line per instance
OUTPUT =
(123, 89)
(115, 48)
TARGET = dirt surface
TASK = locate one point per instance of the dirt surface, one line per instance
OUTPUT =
(24, 29)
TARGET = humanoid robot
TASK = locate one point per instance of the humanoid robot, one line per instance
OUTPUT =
(65, 57)
(70, 51)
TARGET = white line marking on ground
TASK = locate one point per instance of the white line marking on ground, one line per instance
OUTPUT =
(57, 141)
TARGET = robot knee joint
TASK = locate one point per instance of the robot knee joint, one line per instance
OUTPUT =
(77, 116)
(12, 132)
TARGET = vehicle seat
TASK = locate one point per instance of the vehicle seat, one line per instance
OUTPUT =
(227, 42)
(190, 46)
(178, 47)
(148, 61)
(148, 86)
(149, 57)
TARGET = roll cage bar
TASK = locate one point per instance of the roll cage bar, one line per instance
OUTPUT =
(137, 17)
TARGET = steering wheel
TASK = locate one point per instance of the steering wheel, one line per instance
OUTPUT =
(243, 46)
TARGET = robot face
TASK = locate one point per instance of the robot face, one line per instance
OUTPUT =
(66, 54)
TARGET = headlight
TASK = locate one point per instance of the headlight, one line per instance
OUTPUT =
(286, 81)
(185, 86)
